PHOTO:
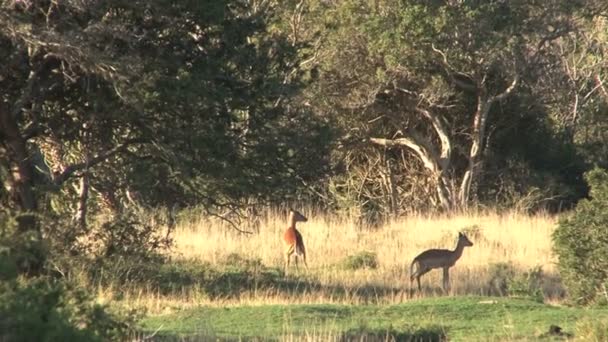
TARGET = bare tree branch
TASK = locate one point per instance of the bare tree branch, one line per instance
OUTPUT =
(446, 147)
(425, 156)
(507, 91)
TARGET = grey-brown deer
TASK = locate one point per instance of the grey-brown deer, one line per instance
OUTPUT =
(294, 243)
(438, 258)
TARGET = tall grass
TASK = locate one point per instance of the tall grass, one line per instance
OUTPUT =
(522, 241)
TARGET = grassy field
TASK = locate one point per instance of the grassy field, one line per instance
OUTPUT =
(519, 242)
(431, 319)
(220, 283)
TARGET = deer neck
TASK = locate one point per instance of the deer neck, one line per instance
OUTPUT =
(292, 221)
(457, 253)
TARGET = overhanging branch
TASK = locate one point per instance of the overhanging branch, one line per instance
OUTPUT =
(410, 143)
(70, 170)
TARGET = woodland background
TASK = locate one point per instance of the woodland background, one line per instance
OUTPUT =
(371, 109)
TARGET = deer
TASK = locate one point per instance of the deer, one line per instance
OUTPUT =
(294, 244)
(438, 258)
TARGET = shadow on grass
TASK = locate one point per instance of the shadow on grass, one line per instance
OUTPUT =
(237, 277)
(429, 334)
(233, 277)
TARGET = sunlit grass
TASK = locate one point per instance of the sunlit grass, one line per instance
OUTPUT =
(521, 240)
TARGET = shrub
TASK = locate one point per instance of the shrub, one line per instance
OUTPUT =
(581, 243)
(42, 308)
(528, 284)
(360, 260)
(45, 310)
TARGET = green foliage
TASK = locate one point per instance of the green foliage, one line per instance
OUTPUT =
(581, 243)
(44, 310)
(360, 260)
(20, 251)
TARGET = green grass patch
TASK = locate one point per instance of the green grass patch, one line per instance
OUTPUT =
(453, 318)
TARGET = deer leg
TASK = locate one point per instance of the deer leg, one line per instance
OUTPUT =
(287, 256)
(304, 258)
(446, 279)
(418, 280)
(295, 258)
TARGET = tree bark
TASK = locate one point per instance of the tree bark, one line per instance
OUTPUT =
(83, 197)
(484, 104)
(20, 187)
(20, 174)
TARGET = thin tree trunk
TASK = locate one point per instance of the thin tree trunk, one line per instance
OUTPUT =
(83, 197)
(484, 104)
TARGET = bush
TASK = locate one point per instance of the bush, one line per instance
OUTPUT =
(43, 310)
(20, 251)
(360, 260)
(581, 243)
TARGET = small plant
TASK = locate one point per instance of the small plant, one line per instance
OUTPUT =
(501, 275)
(505, 281)
(238, 261)
(591, 330)
(528, 284)
(361, 260)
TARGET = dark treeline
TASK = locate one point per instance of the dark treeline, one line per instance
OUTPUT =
(378, 107)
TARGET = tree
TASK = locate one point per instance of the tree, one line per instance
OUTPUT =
(168, 103)
(428, 77)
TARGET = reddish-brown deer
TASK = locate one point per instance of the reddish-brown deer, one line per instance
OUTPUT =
(294, 244)
(438, 258)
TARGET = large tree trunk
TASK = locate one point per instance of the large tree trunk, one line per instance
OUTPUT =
(20, 174)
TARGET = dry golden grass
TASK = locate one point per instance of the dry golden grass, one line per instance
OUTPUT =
(521, 240)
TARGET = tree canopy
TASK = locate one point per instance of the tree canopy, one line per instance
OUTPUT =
(382, 106)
